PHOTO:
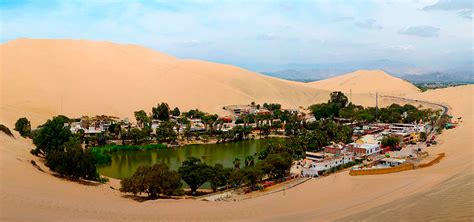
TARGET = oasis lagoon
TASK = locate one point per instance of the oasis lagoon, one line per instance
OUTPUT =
(125, 163)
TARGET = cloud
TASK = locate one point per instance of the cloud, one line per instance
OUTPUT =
(193, 43)
(463, 7)
(267, 36)
(420, 31)
(404, 48)
(450, 5)
(343, 19)
(466, 13)
(368, 24)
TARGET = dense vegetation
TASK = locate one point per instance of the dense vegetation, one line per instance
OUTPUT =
(158, 179)
(153, 180)
(337, 106)
(62, 151)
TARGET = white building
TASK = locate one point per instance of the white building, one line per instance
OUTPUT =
(407, 128)
(363, 149)
(314, 168)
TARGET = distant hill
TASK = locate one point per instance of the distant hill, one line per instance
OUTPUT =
(367, 81)
(317, 71)
(440, 77)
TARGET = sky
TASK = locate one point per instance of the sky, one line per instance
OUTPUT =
(262, 35)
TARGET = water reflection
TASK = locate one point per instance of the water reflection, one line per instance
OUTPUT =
(125, 163)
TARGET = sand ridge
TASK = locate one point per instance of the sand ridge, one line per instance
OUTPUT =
(44, 77)
(365, 82)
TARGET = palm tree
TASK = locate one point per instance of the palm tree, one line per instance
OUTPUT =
(249, 161)
(236, 163)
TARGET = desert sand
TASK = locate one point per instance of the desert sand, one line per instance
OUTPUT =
(42, 78)
(27, 194)
(367, 82)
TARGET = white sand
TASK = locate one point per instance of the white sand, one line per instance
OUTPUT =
(29, 195)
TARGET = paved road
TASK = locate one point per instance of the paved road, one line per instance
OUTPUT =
(444, 107)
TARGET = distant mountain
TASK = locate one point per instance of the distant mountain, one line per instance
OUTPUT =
(307, 72)
(460, 77)
(413, 73)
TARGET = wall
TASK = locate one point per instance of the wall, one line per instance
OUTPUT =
(436, 160)
(400, 168)
(403, 167)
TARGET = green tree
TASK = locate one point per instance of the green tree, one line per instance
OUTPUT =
(72, 161)
(153, 180)
(209, 121)
(165, 132)
(194, 172)
(265, 130)
(51, 136)
(142, 118)
(251, 176)
(236, 177)
(390, 141)
(236, 163)
(138, 136)
(339, 98)
(249, 161)
(115, 129)
(176, 112)
(276, 166)
(23, 126)
(217, 177)
(161, 112)
(325, 110)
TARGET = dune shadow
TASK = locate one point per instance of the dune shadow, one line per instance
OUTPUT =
(79, 181)
(141, 199)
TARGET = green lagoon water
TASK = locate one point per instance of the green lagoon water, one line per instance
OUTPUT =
(125, 163)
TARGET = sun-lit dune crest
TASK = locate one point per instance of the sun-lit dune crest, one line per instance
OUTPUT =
(367, 81)
(45, 77)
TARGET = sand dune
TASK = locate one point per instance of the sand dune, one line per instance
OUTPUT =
(41, 78)
(365, 82)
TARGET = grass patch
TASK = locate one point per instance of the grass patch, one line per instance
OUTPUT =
(102, 153)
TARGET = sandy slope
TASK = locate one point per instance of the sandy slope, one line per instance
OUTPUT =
(367, 81)
(28, 194)
(41, 78)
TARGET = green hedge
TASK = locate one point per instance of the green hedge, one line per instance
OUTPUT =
(102, 153)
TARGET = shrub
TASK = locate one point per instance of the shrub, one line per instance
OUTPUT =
(23, 126)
